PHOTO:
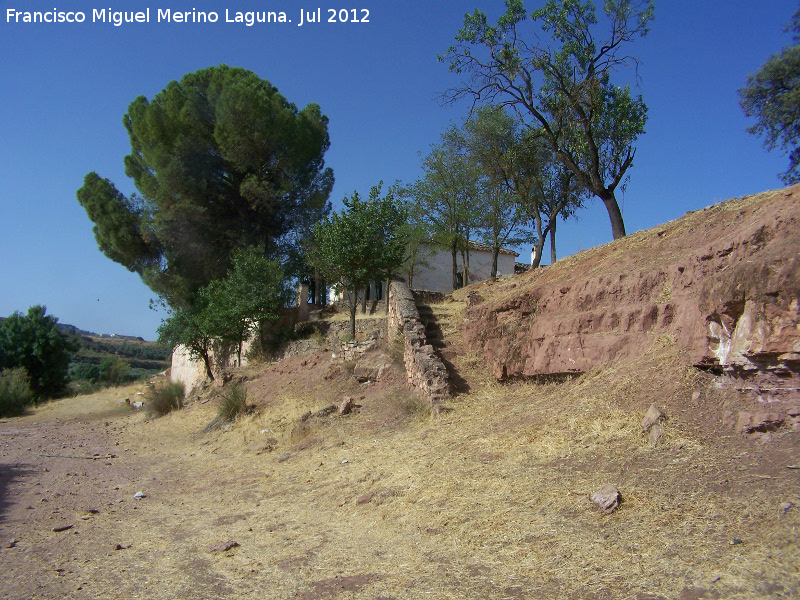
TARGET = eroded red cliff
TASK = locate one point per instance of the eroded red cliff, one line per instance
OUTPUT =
(722, 282)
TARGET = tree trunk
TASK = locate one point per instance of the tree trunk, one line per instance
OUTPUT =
(553, 222)
(617, 224)
(465, 258)
(495, 255)
(207, 363)
(539, 246)
(386, 296)
(455, 265)
(364, 300)
(353, 308)
(538, 249)
(317, 291)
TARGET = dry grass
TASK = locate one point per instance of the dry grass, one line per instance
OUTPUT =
(107, 402)
(487, 501)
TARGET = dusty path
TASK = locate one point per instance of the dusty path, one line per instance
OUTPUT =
(65, 499)
(489, 502)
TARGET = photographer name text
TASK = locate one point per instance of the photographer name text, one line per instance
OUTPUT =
(118, 18)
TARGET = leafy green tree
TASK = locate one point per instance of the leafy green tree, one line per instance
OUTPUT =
(252, 294)
(418, 235)
(447, 194)
(84, 372)
(35, 343)
(490, 136)
(187, 327)
(221, 161)
(562, 89)
(364, 242)
(772, 97)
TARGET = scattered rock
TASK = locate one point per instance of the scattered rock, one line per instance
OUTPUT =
(761, 421)
(262, 447)
(120, 547)
(373, 366)
(328, 410)
(736, 541)
(346, 405)
(651, 417)
(139, 496)
(137, 405)
(366, 497)
(305, 417)
(607, 498)
(62, 528)
(383, 496)
(728, 419)
(785, 507)
(223, 546)
(284, 457)
(13, 542)
(764, 438)
(473, 299)
(655, 434)
(696, 396)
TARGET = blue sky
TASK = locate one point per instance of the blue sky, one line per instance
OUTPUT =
(65, 87)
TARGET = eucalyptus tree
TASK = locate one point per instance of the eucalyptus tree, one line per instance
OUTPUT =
(551, 68)
(537, 189)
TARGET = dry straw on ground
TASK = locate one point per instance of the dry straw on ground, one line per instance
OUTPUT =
(489, 500)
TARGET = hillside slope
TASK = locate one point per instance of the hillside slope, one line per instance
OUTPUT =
(723, 282)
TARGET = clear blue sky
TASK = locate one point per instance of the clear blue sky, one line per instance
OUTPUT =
(65, 87)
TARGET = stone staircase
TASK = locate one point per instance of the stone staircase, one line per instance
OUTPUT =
(441, 347)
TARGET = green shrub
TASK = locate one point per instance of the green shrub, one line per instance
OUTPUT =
(232, 403)
(15, 392)
(81, 387)
(113, 370)
(83, 372)
(164, 398)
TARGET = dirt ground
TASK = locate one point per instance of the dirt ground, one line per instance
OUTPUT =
(489, 500)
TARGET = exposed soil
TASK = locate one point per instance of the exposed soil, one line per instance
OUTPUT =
(488, 501)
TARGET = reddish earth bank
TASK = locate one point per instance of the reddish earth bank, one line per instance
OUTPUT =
(724, 282)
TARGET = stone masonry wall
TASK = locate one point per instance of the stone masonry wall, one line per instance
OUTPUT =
(425, 371)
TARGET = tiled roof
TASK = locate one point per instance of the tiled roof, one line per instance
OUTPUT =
(487, 248)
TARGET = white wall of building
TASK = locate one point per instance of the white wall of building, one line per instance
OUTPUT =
(438, 275)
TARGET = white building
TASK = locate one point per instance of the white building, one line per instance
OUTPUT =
(437, 276)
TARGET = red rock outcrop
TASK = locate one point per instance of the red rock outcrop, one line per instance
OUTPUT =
(722, 282)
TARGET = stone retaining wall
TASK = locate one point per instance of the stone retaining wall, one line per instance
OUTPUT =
(425, 371)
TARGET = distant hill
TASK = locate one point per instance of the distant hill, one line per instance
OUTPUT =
(144, 358)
